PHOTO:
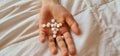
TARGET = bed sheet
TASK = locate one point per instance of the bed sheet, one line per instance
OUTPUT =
(99, 21)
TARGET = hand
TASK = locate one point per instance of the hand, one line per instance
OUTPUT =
(60, 14)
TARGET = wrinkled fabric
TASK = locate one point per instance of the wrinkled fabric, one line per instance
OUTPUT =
(99, 21)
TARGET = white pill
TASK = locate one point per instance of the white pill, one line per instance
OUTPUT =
(48, 24)
(60, 24)
(55, 24)
(52, 25)
(54, 36)
(43, 25)
(53, 29)
(53, 20)
(54, 32)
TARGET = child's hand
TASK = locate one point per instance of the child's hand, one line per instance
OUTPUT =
(49, 11)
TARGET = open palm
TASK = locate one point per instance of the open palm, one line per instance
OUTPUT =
(61, 15)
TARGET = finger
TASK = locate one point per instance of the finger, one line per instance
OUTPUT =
(63, 29)
(52, 45)
(70, 43)
(43, 16)
(62, 46)
(73, 24)
(42, 36)
(41, 21)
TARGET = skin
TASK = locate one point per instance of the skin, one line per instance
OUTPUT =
(52, 9)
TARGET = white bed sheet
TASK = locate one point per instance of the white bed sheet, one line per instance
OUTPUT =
(99, 21)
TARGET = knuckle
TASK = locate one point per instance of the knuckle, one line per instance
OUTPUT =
(65, 53)
(69, 15)
(67, 38)
(70, 41)
(63, 30)
(54, 51)
(62, 45)
(76, 23)
(59, 39)
(72, 51)
(42, 30)
(65, 14)
(51, 40)
(70, 21)
(42, 40)
(42, 33)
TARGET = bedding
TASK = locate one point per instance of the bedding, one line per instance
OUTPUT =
(99, 21)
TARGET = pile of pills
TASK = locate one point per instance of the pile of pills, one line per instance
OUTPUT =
(54, 27)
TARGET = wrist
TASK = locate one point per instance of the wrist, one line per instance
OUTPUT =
(50, 2)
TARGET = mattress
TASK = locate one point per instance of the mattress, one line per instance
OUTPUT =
(99, 21)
